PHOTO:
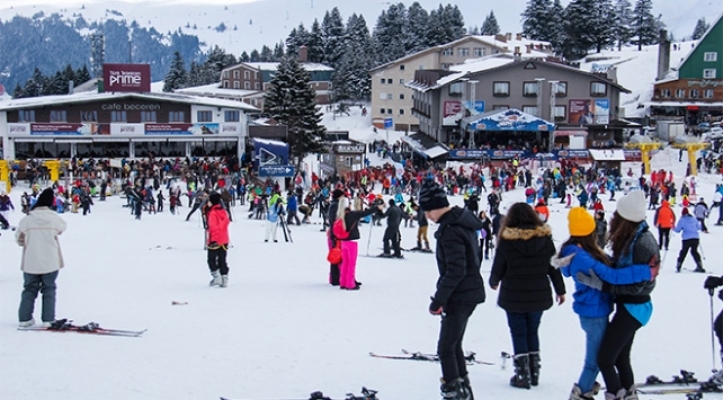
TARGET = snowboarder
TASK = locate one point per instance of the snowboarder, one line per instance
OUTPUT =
(217, 241)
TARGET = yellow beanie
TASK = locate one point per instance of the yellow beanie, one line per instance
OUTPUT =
(580, 222)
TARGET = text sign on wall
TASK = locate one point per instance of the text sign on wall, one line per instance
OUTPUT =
(127, 77)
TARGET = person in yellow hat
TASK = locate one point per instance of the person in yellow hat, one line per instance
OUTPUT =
(581, 253)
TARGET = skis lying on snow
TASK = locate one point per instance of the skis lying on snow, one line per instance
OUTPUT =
(418, 356)
(64, 325)
(693, 392)
(366, 394)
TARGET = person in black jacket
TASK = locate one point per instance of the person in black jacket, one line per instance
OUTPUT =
(459, 288)
(484, 242)
(422, 230)
(391, 234)
(522, 266)
(333, 210)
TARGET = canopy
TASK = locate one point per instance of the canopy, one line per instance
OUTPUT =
(607, 155)
(425, 146)
(511, 120)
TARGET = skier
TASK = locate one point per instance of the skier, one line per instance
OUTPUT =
(542, 211)
(391, 234)
(198, 199)
(665, 220)
(580, 253)
(711, 283)
(160, 201)
(217, 241)
(460, 286)
(701, 213)
(38, 234)
(485, 238)
(689, 227)
(291, 209)
(272, 217)
(494, 201)
(423, 227)
(5, 206)
(522, 267)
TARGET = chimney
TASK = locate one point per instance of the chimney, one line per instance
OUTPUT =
(529, 48)
(612, 74)
(303, 54)
(501, 38)
(71, 87)
(518, 55)
(509, 36)
(663, 55)
(519, 36)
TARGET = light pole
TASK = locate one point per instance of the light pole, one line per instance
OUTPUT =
(472, 109)
(553, 99)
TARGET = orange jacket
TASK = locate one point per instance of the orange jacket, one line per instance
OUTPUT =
(664, 216)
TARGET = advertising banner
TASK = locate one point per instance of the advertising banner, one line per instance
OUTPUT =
(121, 129)
(18, 129)
(229, 129)
(602, 111)
(475, 107)
(127, 77)
(182, 129)
(64, 129)
(452, 108)
(270, 152)
(587, 112)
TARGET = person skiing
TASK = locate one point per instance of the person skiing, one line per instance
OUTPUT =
(522, 267)
(701, 213)
(217, 241)
(581, 253)
(460, 286)
(664, 219)
(37, 234)
(6, 204)
(688, 227)
(272, 217)
(422, 229)
(710, 284)
(486, 241)
(493, 199)
(393, 214)
(199, 198)
(542, 211)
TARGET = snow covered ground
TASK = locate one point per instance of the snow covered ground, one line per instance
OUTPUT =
(280, 331)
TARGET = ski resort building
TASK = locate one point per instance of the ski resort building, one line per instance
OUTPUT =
(391, 98)
(122, 125)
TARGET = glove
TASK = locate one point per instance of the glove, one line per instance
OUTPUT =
(593, 281)
(559, 262)
(435, 307)
(713, 282)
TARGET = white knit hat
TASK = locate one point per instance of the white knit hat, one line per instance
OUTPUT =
(632, 206)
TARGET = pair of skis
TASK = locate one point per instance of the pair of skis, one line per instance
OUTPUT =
(685, 383)
(419, 356)
(366, 394)
(65, 325)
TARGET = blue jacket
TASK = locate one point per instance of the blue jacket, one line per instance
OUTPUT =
(291, 204)
(690, 227)
(592, 303)
(273, 214)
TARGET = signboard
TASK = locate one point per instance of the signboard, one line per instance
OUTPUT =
(18, 129)
(452, 108)
(475, 107)
(587, 112)
(345, 148)
(121, 129)
(602, 111)
(388, 123)
(182, 129)
(127, 77)
(474, 154)
(229, 129)
(63, 129)
(270, 152)
(276, 170)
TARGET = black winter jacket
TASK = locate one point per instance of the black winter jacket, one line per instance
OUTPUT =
(458, 259)
(393, 216)
(351, 220)
(522, 265)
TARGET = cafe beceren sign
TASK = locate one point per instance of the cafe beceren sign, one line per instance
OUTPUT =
(127, 77)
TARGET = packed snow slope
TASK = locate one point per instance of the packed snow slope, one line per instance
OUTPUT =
(281, 331)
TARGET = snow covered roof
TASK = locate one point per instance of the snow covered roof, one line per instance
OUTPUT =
(214, 90)
(86, 97)
(607, 155)
(273, 66)
(683, 103)
(707, 32)
(269, 142)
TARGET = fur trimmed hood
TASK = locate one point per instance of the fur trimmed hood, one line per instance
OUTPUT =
(526, 234)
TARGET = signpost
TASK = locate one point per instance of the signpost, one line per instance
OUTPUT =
(285, 171)
(388, 124)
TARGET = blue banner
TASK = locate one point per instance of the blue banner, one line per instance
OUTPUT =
(270, 152)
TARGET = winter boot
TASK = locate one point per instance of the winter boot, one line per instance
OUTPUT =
(699, 267)
(419, 245)
(678, 266)
(426, 246)
(535, 364)
(216, 281)
(467, 387)
(521, 379)
(224, 280)
(631, 394)
(452, 390)
(620, 395)
(577, 394)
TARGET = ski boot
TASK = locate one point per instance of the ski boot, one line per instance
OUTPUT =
(216, 281)
(224, 280)
(535, 365)
(699, 267)
(631, 394)
(577, 394)
(467, 387)
(620, 395)
(453, 390)
(521, 379)
(678, 266)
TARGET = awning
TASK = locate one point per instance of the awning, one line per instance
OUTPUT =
(435, 152)
(510, 120)
(693, 108)
(570, 133)
(607, 155)
(424, 145)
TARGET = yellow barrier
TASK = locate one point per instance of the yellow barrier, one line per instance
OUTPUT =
(5, 175)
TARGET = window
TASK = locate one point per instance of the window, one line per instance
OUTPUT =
(237, 84)
(463, 52)
(709, 73)
(257, 86)
(561, 89)
(501, 89)
(26, 115)
(389, 111)
(401, 81)
(532, 110)
(401, 96)
(598, 89)
(383, 111)
(232, 116)
(118, 116)
(58, 116)
(176, 116)
(445, 66)
(401, 111)
(708, 94)
(148, 116)
(247, 85)
(383, 81)
(478, 51)
(390, 96)
(247, 74)
(680, 93)
(499, 107)
(710, 56)
(225, 84)
(665, 93)
(448, 52)
(401, 67)
(694, 93)
(256, 74)
(204, 116)
(529, 89)
(236, 74)
(89, 116)
(225, 74)
(456, 89)
(560, 113)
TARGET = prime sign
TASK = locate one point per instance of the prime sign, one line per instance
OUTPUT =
(127, 77)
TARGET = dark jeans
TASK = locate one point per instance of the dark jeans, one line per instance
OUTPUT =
(391, 240)
(293, 217)
(333, 268)
(613, 358)
(217, 260)
(663, 238)
(45, 284)
(702, 224)
(193, 210)
(451, 334)
(523, 328)
(691, 244)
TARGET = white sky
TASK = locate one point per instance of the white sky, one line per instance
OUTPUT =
(64, 3)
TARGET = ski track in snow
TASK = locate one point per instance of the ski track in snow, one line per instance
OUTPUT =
(280, 331)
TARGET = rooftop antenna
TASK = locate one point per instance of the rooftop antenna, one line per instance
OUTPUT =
(97, 53)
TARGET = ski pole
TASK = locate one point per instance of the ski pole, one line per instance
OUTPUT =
(702, 253)
(712, 329)
(369, 241)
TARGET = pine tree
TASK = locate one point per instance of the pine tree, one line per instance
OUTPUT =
(18, 93)
(351, 80)
(177, 76)
(623, 18)
(701, 27)
(644, 24)
(414, 29)
(556, 35)
(266, 54)
(579, 37)
(473, 30)
(332, 37)
(82, 75)
(315, 44)
(536, 19)
(389, 33)
(291, 101)
(279, 51)
(244, 57)
(255, 56)
(602, 24)
(490, 25)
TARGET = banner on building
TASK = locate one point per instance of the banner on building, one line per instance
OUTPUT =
(452, 108)
(63, 129)
(127, 78)
(588, 112)
(182, 129)
(270, 152)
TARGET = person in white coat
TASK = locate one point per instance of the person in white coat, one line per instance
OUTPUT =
(37, 234)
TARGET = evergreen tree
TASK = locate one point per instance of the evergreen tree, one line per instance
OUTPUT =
(315, 43)
(266, 54)
(177, 76)
(473, 30)
(332, 37)
(388, 34)
(244, 57)
(446, 24)
(194, 75)
(602, 24)
(291, 101)
(82, 75)
(216, 61)
(255, 56)
(279, 51)
(490, 25)
(623, 18)
(18, 92)
(536, 19)
(556, 35)
(351, 80)
(297, 38)
(701, 27)
(644, 24)
(415, 29)
(579, 37)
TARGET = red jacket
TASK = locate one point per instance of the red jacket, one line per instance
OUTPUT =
(218, 225)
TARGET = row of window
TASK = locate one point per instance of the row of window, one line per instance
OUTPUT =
(390, 96)
(390, 111)
(529, 89)
(237, 74)
(122, 116)
(25, 150)
(692, 93)
(237, 85)
(710, 56)
(390, 81)
(465, 52)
